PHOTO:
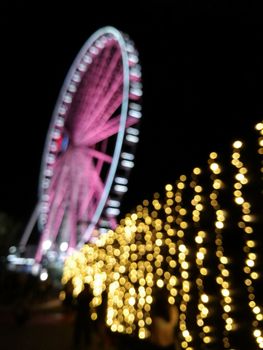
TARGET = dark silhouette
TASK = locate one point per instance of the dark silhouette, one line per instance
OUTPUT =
(68, 301)
(104, 339)
(165, 319)
(23, 298)
(83, 324)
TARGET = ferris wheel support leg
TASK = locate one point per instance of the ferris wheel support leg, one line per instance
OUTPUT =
(29, 228)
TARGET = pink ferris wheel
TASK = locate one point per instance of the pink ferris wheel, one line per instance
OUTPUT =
(90, 146)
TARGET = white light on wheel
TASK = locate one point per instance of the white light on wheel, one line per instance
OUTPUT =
(63, 246)
(46, 244)
(44, 275)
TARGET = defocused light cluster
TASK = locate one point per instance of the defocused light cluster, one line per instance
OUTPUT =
(223, 274)
(246, 226)
(130, 262)
(201, 253)
(177, 241)
(180, 216)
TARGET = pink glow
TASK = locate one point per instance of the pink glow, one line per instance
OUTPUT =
(91, 119)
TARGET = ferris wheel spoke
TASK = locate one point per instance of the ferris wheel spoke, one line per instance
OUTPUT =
(109, 110)
(77, 193)
(90, 102)
(92, 205)
(59, 166)
(105, 120)
(97, 185)
(111, 70)
(131, 121)
(58, 179)
(73, 215)
(83, 135)
(102, 73)
(112, 128)
(99, 75)
(109, 104)
(81, 104)
(57, 222)
(58, 169)
(56, 206)
(100, 162)
(99, 115)
(100, 155)
(51, 231)
(88, 208)
(95, 188)
(57, 189)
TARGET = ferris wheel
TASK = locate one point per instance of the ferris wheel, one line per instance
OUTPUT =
(90, 145)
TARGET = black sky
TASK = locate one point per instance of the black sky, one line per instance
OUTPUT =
(202, 67)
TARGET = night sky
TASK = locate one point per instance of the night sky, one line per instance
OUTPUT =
(202, 74)
(202, 70)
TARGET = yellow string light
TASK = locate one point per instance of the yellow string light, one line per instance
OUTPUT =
(246, 225)
(150, 249)
(201, 252)
(223, 275)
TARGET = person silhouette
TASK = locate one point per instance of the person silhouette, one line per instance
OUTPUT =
(165, 319)
(83, 323)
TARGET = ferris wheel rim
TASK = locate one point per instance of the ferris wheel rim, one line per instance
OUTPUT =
(72, 69)
(118, 36)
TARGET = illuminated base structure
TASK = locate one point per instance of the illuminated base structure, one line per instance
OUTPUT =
(201, 241)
